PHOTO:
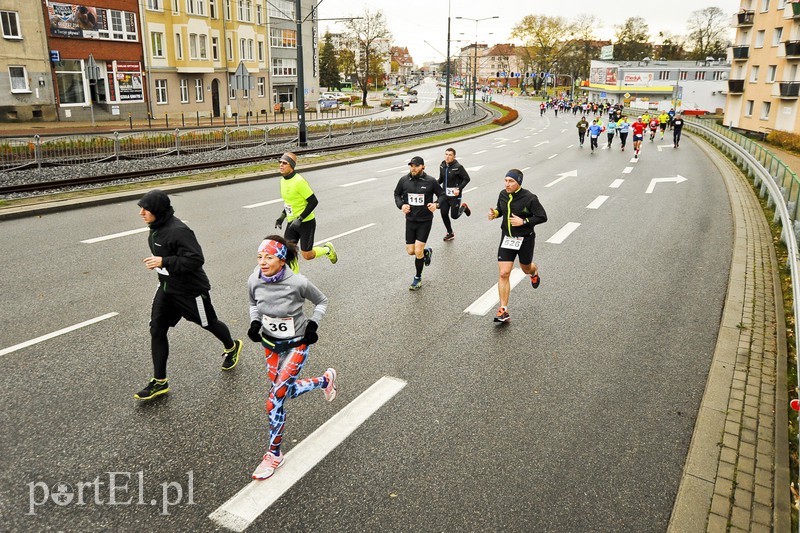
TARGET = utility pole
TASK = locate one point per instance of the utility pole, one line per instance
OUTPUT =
(302, 134)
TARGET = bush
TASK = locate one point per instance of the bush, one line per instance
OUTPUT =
(786, 140)
(509, 115)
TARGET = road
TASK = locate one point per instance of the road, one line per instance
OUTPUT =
(577, 416)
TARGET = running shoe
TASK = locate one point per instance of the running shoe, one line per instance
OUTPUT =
(535, 280)
(331, 253)
(267, 466)
(465, 209)
(330, 388)
(232, 355)
(416, 283)
(428, 256)
(502, 315)
(153, 389)
(449, 236)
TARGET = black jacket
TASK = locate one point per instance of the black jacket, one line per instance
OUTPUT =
(525, 205)
(176, 244)
(422, 184)
(453, 176)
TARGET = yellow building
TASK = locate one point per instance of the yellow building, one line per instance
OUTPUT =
(764, 82)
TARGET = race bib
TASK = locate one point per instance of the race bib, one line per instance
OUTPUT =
(512, 243)
(280, 328)
(288, 209)
(451, 191)
(416, 199)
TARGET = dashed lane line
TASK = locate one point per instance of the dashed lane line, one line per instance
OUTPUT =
(116, 235)
(490, 298)
(262, 204)
(323, 241)
(357, 182)
(54, 334)
(616, 184)
(597, 202)
(562, 234)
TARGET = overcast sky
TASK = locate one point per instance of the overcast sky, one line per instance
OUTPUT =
(412, 22)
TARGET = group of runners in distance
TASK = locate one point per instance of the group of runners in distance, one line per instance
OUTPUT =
(618, 123)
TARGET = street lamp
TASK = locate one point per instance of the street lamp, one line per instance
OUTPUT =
(475, 63)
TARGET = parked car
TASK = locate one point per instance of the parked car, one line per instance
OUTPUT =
(412, 98)
(398, 103)
(336, 95)
(412, 91)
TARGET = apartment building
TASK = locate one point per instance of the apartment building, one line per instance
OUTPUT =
(764, 86)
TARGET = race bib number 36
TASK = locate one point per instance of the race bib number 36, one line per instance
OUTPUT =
(512, 243)
(280, 328)
(416, 199)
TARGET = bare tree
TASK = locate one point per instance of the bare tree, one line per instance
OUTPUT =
(367, 33)
(708, 30)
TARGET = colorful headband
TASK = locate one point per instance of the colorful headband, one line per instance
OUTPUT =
(268, 246)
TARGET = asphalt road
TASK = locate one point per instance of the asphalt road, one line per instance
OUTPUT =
(576, 416)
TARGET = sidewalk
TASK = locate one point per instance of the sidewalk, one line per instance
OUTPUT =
(736, 476)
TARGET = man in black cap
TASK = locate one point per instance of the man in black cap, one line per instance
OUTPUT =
(183, 289)
(414, 196)
(521, 211)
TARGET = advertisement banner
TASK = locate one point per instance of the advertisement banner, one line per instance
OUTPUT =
(78, 22)
(129, 81)
(638, 79)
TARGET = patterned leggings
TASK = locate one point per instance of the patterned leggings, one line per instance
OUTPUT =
(283, 374)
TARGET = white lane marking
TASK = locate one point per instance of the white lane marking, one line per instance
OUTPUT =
(527, 137)
(474, 169)
(490, 298)
(525, 169)
(357, 182)
(43, 338)
(627, 170)
(541, 143)
(243, 508)
(500, 146)
(323, 241)
(676, 179)
(115, 235)
(597, 202)
(469, 190)
(570, 146)
(616, 184)
(479, 152)
(563, 233)
(515, 141)
(261, 204)
(552, 156)
(634, 160)
(393, 169)
(563, 176)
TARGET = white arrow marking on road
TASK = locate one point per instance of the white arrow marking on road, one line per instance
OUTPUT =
(616, 184)
(597, 202)
(475, 169)
(323, 241)
(563, 175)
(676, 179)
(660, 146)
(563, 233)
(260, 204)
(490, 298)
(37, 340)
(241, 510)
(357, 182)
(115, 235)
(627, 170)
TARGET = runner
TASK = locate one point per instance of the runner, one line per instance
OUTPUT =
(183, 289)
(663, 121)
(594, 132)
(453, 178)
(623, 126)
(610, 130)
(638, 128)
(414, 196)
(582, 126)
(520, 211)
(677, 127)
(653, 124)
(277, 296)
(299, 202)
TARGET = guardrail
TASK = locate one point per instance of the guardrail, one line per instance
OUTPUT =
(38, 151)
(774, 179)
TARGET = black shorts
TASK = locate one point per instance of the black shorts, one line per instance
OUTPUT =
(305, 236)
(525, 252)
(168, 309)
(663, 126)
(637, 137)
(418, 231)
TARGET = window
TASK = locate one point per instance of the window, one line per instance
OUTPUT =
(261, 51)
(282, 9)
(764, 5)
(178, 46)
(682, 75)
(754, 73)
(699, 75)
(10, 22)
(230, 49)
(718, 75)
(765, 107)
(284, 67)
(663, 75)
(203, 41)
(69, 79)
(250, 49)
(215, 48)
(212, 8)
(184, 91)
(231, 92)
(261, 85)
(227, 9)
(122, 25)
(242, 49)
(157, 40)
(772, 70)
(748, 108)
(196, 7)
(259, 14)
(279, 38)
(19, 80)
(154, 5)
(198, 90)
(176, 6)
(161, 91)
(776, 36)
(192, 46)
(760, 38)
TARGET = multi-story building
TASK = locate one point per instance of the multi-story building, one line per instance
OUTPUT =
(96, 58)
(26, 86)
(473, 63)
(764, 85)
(683, 85)
(504, 65)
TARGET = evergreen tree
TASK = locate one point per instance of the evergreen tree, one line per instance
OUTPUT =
(328, 65)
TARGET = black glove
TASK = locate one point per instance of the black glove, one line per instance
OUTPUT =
(294, 225)
(311, 333)
(255, 331)
(279, 223)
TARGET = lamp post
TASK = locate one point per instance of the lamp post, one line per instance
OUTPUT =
(447, 73)
(475, 63)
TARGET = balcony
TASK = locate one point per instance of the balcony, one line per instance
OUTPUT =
(792, 49)
(735, 86)
(745, 18)
(789, 89)
(741, 53)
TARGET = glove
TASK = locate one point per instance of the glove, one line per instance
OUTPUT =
(294, 225)
(311, 333)
(279, 223)
(254, 333)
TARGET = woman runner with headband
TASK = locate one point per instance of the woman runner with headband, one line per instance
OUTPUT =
(277, 295)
